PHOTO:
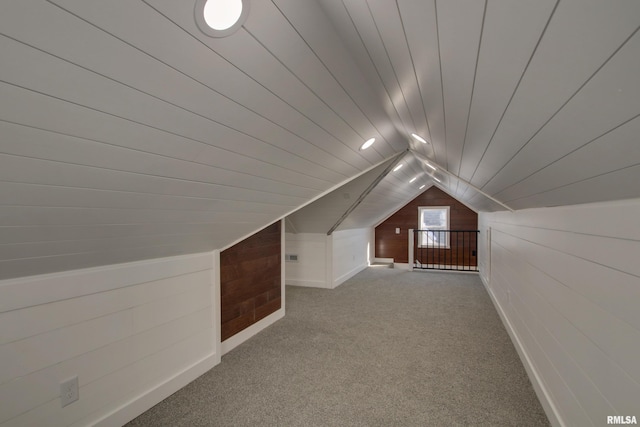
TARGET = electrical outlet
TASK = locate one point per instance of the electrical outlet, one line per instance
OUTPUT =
(69, 391)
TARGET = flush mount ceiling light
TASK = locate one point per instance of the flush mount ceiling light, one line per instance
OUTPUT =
(419, 138)
(368, 143)
(413, 179)
(220, 18)
(397, 168)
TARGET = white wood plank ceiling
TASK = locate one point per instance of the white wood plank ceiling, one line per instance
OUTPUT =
(126, 133)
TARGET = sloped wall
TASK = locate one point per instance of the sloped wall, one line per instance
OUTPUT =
(566, 282)
(388, 244)
(133, 334)
(250, 280)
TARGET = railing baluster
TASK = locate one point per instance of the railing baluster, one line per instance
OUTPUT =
(461, 253)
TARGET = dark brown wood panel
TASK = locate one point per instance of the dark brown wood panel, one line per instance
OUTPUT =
(250, 280)
(391, 245)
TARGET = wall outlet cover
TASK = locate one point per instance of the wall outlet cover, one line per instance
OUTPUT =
(69, 391)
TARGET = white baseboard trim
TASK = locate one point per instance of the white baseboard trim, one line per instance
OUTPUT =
(153, 396)
(234, 341)
(539, 387)
(340, 280)
(402, 266)
(308, 283)
(383, 260)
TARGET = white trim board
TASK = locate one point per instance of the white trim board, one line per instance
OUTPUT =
(308, 283)
(158, 393)
(234, 341)
(340, 280)
(539, 387)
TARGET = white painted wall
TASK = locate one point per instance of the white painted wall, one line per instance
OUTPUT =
(566, 282)
(327, 261)
(311, 267)
(133, 334)
(351, 253)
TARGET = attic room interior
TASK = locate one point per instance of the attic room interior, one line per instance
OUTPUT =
(164, 176)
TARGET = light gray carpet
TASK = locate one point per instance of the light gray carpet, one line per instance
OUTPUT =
(386, 348)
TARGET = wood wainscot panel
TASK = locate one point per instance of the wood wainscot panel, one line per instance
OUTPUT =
(388, 244)
(250, 280)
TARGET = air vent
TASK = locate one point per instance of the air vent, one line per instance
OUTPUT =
(291, 257)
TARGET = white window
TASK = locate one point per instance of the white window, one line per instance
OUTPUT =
(431, 220)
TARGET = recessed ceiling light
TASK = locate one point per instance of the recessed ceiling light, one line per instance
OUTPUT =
(422, 186)
(222, 14)
(368, 143)
(397, 168)
(432, 167)
(419, 138)
(413, 179)
(220, 18)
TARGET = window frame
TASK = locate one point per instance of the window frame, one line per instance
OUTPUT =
(447, 243)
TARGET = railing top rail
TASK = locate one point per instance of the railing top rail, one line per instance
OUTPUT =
(461, 231)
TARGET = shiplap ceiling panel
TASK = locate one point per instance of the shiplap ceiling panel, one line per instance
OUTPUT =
(609, 153)
(127, 133)
(344, 26)
(18, 251)
(616, 185)
(282, 40)
(421, 31)
(29, 266)
(322, 214)
(29, 215)
(278, 67)
(62, 148)
(459, 28)
(610, 99)
(311, 24)
(44, 112)
(391, 29)
(511, 29)
(20, 194)
(36, 171)
(392, 192)
(580, 38)
(190, 119)
(45, 233)
(367, 30)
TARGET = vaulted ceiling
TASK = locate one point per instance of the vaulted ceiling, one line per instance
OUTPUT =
(127, 133)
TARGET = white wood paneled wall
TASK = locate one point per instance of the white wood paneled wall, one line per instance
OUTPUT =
(311, 267)
(350, 253)
(567, 282)
(327, 261)
(132, 333)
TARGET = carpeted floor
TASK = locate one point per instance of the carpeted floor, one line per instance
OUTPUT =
(386, 348)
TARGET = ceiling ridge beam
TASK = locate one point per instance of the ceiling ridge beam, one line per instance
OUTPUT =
(368, 190)
(423, 160)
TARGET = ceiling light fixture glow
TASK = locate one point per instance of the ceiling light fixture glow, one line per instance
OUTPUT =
(397, 168)
(432, 167)
(221, 18)
(413, 179)
(222, 14)
(368, 143)
(419, 138)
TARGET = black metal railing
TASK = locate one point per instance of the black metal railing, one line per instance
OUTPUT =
(446, 250)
